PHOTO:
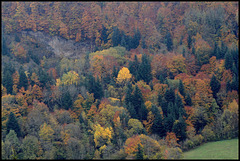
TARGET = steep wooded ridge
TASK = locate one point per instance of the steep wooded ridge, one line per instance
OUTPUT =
(117, 80)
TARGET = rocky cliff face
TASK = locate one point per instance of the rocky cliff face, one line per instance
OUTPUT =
(60, 46)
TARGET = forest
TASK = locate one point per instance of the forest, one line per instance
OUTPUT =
(117, 80)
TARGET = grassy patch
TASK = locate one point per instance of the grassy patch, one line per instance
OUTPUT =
(226, 149)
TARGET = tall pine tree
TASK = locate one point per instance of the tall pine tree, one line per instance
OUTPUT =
(116, 36)
(157, 126)
(23, 81)
(228, 61)
(139, 153)
(67, 100)
(138, 103)
(7, 81)
(169, 41)
(170, 95)
(179, 128)
(12, 124)
(134, 68)
(215, 86)
(181, 88)
(145, 69)
(189, 41)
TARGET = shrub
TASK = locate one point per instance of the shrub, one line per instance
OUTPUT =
(197, 140)
(187, 144)
(208, 134)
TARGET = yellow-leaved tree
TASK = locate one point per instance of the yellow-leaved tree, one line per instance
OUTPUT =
(71, 77)
(124, 75)
(46, 132)
(102, 136)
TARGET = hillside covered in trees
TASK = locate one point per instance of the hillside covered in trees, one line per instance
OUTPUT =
(117, 80)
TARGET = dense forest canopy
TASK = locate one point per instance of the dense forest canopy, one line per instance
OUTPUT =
(117, 80)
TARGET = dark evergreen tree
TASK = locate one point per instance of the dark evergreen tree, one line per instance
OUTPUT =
(23, 81)
(216, 51)
(160, 99)
(188, 100)
(104, 35)
(157, 126)
(44, 78)
(123, 42)
(137, 101)
(179, 107)
(128, 97)
(143, 112)
(228, 61)
(17, 39)
(116, 37)
(7, 81)
(139, 153)
(67, 100)
(134, 68)
(168, 122)
(132, 111)
(171, 110)
(164, 106)
(143, 43)
(145, 69)
(235, 56)
(184, 52)
(94, 86)
(179, 128)
(193, 50)
(161, 79)
(169, 41)
(181, 88)
(228, 86)
(12, 124)
(5, 49)
(181, 40)
(223, 50)
(170, 95)
(136, 39)
(98, 90)
(215, 86)
(90, 83)
(235, 83)
(235, 70)
(115, 72)
(86, 63)
(106, 79)
(189, 41)
(129, 41)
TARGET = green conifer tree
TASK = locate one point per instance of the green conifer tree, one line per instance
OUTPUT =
(7, 81)
(157, 126)
(169, 41)
(139, 153)
(215, 86)
(188, 100)
(137, 101)
(179, 128)
(170, 95)
(228, 61)
(145, 69)
(189, 41)
(181, 88)
(12, 124)
(67, 100)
